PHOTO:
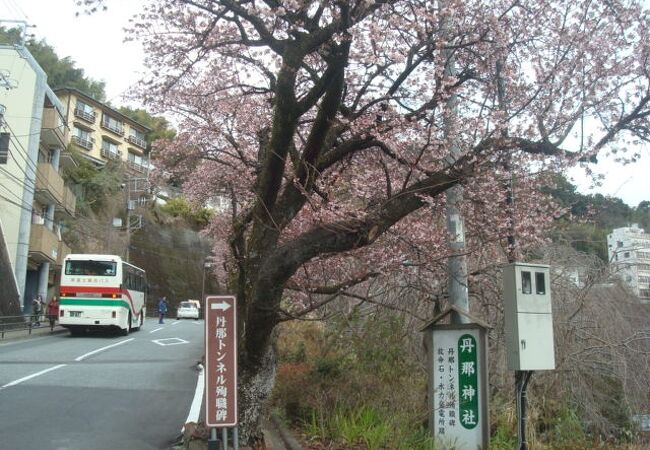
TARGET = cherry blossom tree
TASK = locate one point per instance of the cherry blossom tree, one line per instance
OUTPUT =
(328, 124)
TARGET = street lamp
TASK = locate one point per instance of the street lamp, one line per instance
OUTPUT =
(208, 262)
(206, 265)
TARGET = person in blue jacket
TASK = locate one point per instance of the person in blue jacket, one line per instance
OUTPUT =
(162, 309)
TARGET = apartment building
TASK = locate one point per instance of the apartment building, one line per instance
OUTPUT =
(629, 253)
(34, 198)
(103, 134)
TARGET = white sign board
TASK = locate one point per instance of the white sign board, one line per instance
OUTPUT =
(458, 385)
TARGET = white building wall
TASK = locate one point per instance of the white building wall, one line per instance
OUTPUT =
(629, 254)
(23, 103)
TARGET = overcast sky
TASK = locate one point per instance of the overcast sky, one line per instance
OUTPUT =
(96, 44)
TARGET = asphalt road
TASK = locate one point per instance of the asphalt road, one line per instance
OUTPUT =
(99, 391)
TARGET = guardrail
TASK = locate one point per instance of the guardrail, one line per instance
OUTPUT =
(10, 324)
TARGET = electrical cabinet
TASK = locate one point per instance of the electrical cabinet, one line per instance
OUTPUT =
(528, 317)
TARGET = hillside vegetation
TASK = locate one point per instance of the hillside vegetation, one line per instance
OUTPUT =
(166, 243)
(589, 218)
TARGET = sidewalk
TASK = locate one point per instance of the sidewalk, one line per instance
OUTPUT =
(43, 330)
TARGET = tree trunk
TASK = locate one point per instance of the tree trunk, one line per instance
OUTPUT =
(255, 386)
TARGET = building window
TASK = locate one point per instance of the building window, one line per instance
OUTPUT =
(137, 134)
(619, 244)
(110, 150)
(626, 255)
(82, 138)
(112, 124)
(137, 137)
(137, 162)
(643, 255)
(137, 159)
(84, 111)
(81, 133)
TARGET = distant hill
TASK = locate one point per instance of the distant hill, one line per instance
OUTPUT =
(592, 217)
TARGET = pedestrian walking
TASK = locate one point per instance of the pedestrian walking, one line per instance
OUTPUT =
(53, 311)
(162, 309)
(37, 309)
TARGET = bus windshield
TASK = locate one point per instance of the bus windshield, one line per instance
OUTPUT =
(95, 268)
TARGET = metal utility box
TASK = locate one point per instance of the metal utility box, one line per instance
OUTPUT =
(528, 317)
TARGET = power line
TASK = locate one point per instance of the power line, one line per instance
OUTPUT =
(29, 162)
(16, 179)
(18, 8)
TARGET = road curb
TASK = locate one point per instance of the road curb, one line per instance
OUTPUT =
(36, 332)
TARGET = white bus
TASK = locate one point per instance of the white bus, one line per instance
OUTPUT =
(101, 291)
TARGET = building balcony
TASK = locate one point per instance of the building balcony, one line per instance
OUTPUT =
(53, 129)
(85, 115)
(140, 168)
(43, 244)
(117, 129)
(64, 251)
(137, 141)
(50, 187)
(84, 143)
(66, 160)
(110, 154)
(69, 204)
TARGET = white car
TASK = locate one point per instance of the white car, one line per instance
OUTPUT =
(187, 310)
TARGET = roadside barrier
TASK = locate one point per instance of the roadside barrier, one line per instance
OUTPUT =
(10, 324)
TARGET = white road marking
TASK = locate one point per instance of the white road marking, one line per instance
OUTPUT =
(196, 322)
(172, 341)
(82, 357)
(29, 377)
(157, 329)
(195, 409)
(176, 323)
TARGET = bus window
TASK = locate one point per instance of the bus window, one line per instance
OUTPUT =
(94, 268)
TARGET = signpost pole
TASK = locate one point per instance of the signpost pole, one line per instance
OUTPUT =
(235, 438)
(213, 443)
(221, 365)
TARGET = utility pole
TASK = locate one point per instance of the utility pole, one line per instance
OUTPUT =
(4, 138)
(522, 377)
(457, 262)
(206, 265)
(128, 221)
(130, 205)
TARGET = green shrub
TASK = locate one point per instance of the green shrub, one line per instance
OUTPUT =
(179, 207)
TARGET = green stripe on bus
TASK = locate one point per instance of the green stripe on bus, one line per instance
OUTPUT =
(93, 302)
